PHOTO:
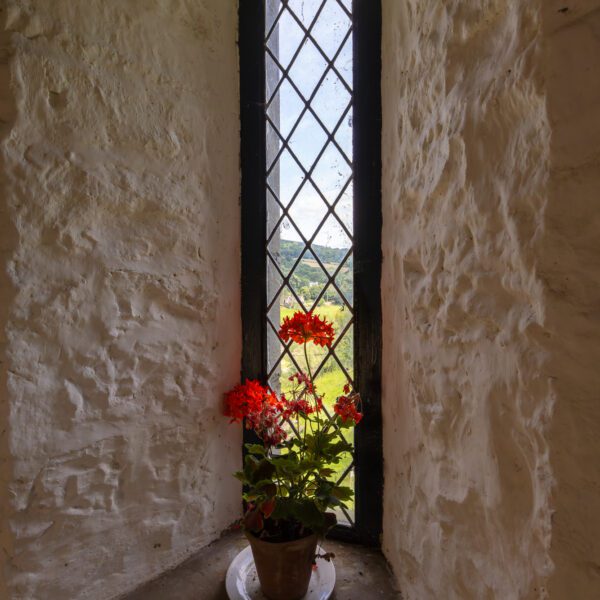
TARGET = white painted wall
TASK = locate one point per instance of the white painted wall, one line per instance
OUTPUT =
(120, 289)
(490, 291)
(119, 293)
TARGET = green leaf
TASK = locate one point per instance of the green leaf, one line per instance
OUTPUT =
(326, 472)
(342, 493)
(253, 520)
(285, 466)
(250, 466)
(307, 512)
(340, 447)
(264, 470)
(309, 464)
(251, 462)
(252, 496)
(283, 509)
(256, 449)
(267, 487)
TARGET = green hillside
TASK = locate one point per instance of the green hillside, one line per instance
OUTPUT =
(308, 277)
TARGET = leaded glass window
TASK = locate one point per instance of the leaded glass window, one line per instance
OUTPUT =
(308, 66)
(311, 210)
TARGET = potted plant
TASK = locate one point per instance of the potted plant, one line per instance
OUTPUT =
(290, 482)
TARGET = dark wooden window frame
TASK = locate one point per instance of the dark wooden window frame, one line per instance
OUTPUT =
(367, 239)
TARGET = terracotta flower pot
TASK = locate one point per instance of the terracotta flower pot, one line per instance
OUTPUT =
(284, 568)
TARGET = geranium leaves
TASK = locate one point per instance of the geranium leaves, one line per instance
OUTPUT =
(295, 486)
(256, 449)
(268, 506)
(291, 478)
(253, 520)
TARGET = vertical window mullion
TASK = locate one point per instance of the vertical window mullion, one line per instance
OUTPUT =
(253, 190)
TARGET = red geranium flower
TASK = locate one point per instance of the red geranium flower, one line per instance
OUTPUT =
(267, 423)
(306, 327)
(299, 379)
(345, 407)
(245, 399)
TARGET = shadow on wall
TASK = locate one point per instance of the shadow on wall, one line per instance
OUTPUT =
(570, 269)
(8, 241)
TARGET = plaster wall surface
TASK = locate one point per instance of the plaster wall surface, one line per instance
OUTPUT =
(467, 396)
(570, 270)
(119, 240)
(491, 289)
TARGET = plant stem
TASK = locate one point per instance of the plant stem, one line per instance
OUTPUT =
(308, 364)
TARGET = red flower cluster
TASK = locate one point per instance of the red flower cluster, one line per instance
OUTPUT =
(300, 378)
(345, 407)
(244, 400)
(306, 327)
(293, 407)
(267, 424)
(304, 390)
(260, 407)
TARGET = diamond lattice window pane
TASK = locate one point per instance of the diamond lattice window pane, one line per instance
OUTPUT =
(305, 10)
(344, 209)
(343, 315)
(273, 145)
(284, 253)
(308, 210)
(331, 100)
(330, 382)
(331, 28)
(308, 279)
(335, 260)
(273, 215)
(346, 479)
(331, 173)
(292, 178)
(333, 234)
(285, 38)
(308, 68)
(273, 75)
(274, 283)
(274, 351)
(343, 62)
(272, 10)
(344, 281)
(307, 140)
(343, 135)
(285, 96)
(310, 194)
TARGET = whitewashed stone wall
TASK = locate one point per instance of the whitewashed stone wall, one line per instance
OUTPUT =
(491, 289)
(119, 300)
(570, 271)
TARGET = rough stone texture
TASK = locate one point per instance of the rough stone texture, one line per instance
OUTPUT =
(467, 402)
(491, 291)
(119, 291)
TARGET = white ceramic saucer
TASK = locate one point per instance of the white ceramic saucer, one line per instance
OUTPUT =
(242, 581)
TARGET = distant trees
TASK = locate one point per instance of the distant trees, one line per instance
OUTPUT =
(308, 278)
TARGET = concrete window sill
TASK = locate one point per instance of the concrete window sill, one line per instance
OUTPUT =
(362, 574)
